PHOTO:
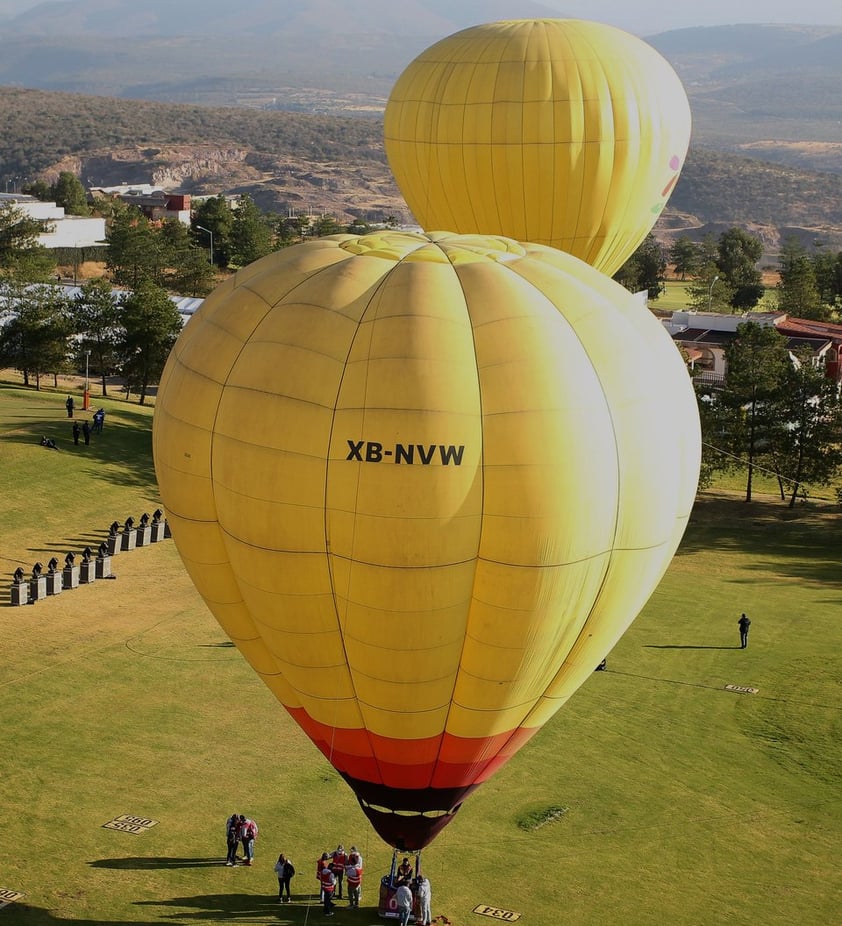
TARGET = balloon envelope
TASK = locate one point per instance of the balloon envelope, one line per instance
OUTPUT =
(424, 483)
(557, 131)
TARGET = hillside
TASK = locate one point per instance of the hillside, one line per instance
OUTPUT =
(294, 161)
(752, 88)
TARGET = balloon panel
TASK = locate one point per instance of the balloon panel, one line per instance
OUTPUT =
(424, 547)
(563, 132)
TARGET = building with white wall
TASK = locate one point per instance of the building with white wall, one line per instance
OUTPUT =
(60, 231)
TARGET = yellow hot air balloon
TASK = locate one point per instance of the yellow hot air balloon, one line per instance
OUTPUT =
(424, 483)
(556, 131)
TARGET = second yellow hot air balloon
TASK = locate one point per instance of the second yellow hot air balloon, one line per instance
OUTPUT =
(557, 131)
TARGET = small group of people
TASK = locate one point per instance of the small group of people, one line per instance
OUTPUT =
(405, 899)
(84, 431)
(240, 829)
(335, 868)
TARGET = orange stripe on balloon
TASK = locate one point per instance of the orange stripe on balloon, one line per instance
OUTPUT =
(443, 761)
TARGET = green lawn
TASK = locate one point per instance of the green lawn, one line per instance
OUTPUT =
(685, 803)
(675, 298)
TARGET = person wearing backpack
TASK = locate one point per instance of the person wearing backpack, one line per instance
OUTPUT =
(284, 869)
(248, 834)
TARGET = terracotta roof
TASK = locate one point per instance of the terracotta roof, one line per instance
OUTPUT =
(808, 326)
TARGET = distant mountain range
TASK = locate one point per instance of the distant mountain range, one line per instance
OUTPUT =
(266, 17)
(768, 90)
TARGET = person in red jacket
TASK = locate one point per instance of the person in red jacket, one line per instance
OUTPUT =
(337, 866)
(354, 878)
(323, 861)
(328, 882)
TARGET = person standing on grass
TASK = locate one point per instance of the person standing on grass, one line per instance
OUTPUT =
(328, 885)
(76, 432)
(232, 834)
(284, 869)
(86, 431)
(321, 863)
(337, 866)
(403, 898)
(424, 897)
(69, 405)
(744, 623)
(248, 834)
(354, 879)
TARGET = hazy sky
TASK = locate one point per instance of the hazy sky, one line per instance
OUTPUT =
(646, 17)
(651, 16)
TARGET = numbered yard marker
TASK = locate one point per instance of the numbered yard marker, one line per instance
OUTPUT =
(505, 916)
(127, 823)
(741, 689)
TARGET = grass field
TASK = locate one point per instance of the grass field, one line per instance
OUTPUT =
(684, 803)
(675, 297)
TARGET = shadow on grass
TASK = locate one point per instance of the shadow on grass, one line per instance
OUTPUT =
(800, 543)
(687, 646)
(215, 908)
(72, 544)
(149, 863)
(126, 446)
(23, 915)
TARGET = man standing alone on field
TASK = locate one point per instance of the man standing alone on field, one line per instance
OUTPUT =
(744, 623)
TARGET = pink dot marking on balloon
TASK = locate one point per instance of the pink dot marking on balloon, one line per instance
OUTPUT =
(675, 162)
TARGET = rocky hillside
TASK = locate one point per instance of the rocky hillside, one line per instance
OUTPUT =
(320, 164)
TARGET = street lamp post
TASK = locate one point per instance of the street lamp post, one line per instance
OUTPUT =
(710, 292)
(86, 395)
(210, 233)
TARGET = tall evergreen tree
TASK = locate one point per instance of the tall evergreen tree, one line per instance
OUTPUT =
(808, 448)
(251, 235)
(214, 217)
(34, 340)
(798, 292)
(21, 256)
(134, 253)
(645, 269)
(96, 317)
(150, 324)
(69, 193)
(737, 255)
(684, 256)
(757, 362)
(184, 267)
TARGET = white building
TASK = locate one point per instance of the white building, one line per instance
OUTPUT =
(61, 231)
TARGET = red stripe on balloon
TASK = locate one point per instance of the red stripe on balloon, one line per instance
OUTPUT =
(442, 761)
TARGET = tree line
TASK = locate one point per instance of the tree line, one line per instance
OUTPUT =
(777, 412)
(722, 275)
(44, 331)
(128, 332)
